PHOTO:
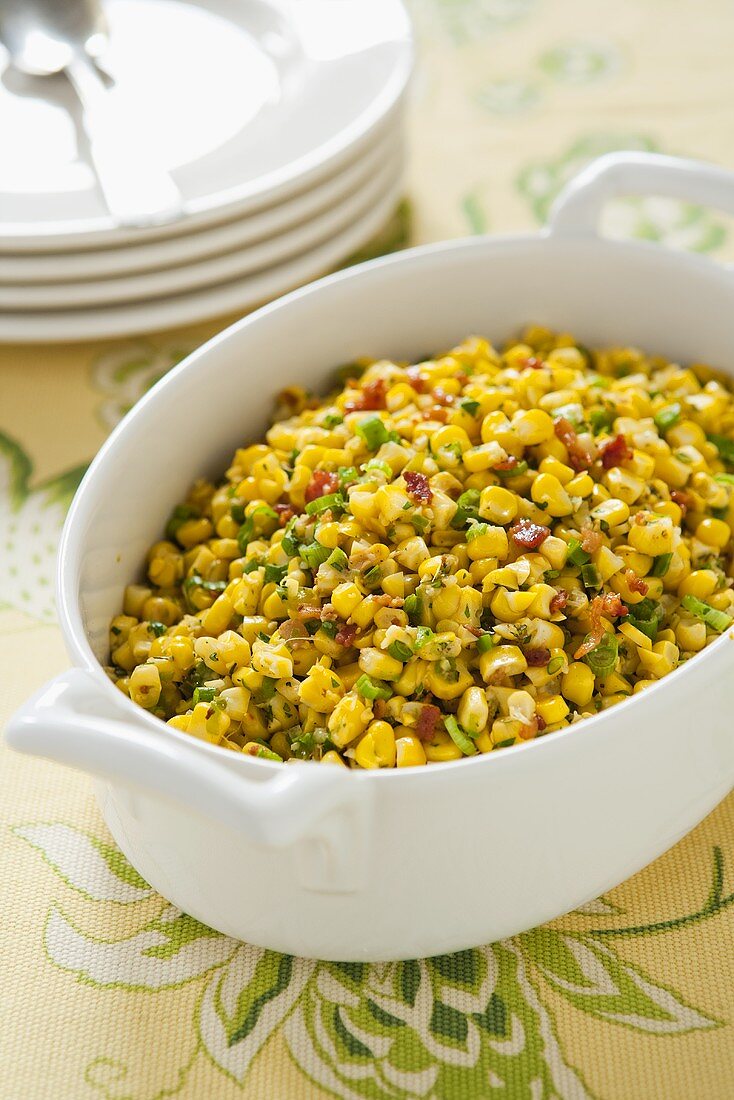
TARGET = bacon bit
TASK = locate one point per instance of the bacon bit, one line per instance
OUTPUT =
(416, 379)
(681, 498)
(285, 513)
(635, 583)
(609, 605)
(461, 377)
(528, 535)
(426, 724)
(508, 463)
(532, 363)
(321, 484)
(528, 730)
(559, 601)
(292, 629)
(578, 455)
(346, 635)
(615, 452)
(436, 412)
(591, 540)
(541, 722)
(329, 613)
(418, 488)
(537, 656)
(379, 708)
(441, 397)
(308, 611)
(372, 397)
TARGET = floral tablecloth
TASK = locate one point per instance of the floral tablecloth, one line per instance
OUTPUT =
(105, 990)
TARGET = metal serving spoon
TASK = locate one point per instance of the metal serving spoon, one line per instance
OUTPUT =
(45, 37)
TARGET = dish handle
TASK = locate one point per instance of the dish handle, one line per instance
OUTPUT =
(319, 810)
(577, 210)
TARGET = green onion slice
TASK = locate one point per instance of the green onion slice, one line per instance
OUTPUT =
(400, 651)
(373, 431)
(372, 689)
(334, 501)
(668, 417)
(661, 565)
(602, 659)
(717, 620)
(459, 737)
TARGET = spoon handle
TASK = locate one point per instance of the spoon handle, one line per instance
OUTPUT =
(138, 192)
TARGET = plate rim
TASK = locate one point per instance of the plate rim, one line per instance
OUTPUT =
(129, 320)
(274, 186)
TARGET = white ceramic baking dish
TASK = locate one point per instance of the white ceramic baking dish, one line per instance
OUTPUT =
(377, 865)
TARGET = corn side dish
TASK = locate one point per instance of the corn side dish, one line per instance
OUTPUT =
(442, 559)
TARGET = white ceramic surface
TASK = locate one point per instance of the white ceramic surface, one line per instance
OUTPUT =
(284, 92)
(135, 318)
(150, 285)
(215, 240)
(392, 864)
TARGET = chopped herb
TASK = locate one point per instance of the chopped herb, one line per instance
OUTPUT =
(313, 626)
(330, 629)
(372, 689)
(266, 691)
(332, 420)
(157, 628)
(506, 743)
(423, 636)
(724, 479)
(554, 665)
(274, 573)
(717, 620)
(459, 736)
(251, 565)
(471, 408)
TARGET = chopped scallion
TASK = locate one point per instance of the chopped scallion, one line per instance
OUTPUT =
(372, 689)
(400, 651)
(717, 620)
(459, 737)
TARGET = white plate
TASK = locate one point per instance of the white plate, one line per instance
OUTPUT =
(271, 224)
(188, 309)
(248, 101)
(212, 271)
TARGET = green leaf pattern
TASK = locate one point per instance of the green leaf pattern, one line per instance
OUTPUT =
(474, 1023)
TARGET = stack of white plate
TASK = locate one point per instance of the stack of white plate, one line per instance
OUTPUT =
(279, 120)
